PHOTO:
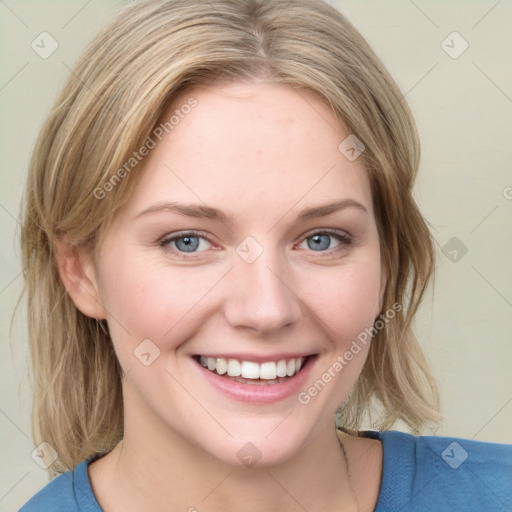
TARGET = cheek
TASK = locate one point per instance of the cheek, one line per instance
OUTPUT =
(347, 299)
(148, 300)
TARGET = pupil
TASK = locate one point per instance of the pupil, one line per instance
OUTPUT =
(319, 242)
(187, 243)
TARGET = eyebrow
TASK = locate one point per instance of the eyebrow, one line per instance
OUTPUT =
(209, 212)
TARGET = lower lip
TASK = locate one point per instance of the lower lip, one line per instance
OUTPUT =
(258, 393)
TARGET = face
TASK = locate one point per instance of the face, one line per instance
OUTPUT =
(250, 245)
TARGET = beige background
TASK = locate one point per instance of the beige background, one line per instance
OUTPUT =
(463, 107)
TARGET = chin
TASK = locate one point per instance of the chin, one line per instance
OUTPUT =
(258, 452)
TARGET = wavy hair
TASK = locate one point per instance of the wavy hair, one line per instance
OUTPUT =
(119, 88)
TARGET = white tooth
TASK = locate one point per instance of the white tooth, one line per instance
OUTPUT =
(250, 370)
(203, 361)
(222, 366)
(233, 368)
(290, 367)
(268, 370)
(298, 364)
(211, 363)
(281, 368)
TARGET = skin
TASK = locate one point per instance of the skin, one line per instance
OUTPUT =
(261, 153)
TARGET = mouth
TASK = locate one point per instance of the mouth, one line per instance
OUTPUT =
(251, 372)
(256, 382)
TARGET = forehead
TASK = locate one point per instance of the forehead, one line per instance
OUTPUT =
(250, 146)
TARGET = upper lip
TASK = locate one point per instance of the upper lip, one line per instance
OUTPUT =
(258, 358)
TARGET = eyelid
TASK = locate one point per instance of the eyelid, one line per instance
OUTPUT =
(345, 239)
(184, 233)
(327, 231)
(171, 237)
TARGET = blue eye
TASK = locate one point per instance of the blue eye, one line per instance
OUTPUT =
(185, 242)
(323, 241)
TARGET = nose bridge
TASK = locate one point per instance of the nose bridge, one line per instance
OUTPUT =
(259, 295)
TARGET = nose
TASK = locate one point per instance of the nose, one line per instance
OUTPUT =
(260, 296)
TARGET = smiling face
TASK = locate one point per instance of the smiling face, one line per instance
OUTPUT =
(250, 245)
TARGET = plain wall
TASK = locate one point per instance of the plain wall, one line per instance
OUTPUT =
(463, 109)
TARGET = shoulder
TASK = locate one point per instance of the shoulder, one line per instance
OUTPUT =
(69, 492)
(444, 473)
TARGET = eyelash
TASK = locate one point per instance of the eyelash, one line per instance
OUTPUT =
(346, 240)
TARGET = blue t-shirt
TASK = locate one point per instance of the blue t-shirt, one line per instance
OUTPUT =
(420, 474)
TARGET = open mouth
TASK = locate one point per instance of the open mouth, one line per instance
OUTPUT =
(250, 372)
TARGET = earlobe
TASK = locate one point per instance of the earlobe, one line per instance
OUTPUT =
(78, 276)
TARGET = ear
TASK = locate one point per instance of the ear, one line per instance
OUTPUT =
(76, 270)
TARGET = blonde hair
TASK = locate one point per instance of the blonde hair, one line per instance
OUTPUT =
(113, 99)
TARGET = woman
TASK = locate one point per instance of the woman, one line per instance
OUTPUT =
(221, 250)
